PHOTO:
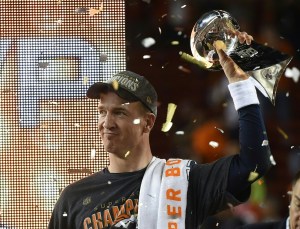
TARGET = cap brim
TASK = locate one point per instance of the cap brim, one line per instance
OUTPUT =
(94, 90)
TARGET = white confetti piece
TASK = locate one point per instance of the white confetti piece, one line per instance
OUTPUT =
(265, 143)
(180, 132)
(148, 42)
(293, 73)
(93, 154)
(159, 29)
(273, 162)
(146, 57)
(65, 214)
(109, 182)
(287, 94)
(136, 121)
(222, 131)
(183, 6)
(213, 144)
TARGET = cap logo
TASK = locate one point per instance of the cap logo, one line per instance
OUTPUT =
(125, 81)
(149, 100)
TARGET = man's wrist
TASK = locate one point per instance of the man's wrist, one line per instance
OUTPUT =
(243, 93)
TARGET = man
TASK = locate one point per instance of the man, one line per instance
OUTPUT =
(293, 221)
(138, 190)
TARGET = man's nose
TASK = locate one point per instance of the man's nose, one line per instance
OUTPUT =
(108, 121)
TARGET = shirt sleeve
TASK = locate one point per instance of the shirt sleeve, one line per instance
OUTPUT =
(255, 152)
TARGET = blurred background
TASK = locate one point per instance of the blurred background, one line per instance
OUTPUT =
(52, 50)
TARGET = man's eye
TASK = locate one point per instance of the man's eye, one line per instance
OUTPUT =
(102, 112)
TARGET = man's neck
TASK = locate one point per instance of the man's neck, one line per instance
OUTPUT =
(132, 162)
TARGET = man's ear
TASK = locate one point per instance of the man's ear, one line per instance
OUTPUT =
(149, 122)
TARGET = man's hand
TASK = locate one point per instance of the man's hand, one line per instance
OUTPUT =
(232, 71)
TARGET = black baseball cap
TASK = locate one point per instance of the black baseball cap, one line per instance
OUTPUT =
(131, 87)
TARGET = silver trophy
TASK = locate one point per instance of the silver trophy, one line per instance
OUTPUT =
(263, 63)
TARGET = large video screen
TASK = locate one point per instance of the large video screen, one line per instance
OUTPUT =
(51, 51)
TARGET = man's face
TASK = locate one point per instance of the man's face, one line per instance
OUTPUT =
(295, 207)
(121, 124)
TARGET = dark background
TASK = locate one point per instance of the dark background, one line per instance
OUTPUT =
(201, 96)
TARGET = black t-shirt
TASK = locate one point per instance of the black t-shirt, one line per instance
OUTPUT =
(110, 200)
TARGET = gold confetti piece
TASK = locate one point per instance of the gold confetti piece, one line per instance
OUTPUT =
(285, 136)
(253, 175)
(170, 113)
(201, 62)
(127, 154)
(175, 43)
(85, 80)
(115, 85)
(220, 45)
(94, 11)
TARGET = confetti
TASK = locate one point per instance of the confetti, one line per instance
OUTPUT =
(170, 113)
(127, 154)
(273, 162)
(222, 131)
(201, 62)
(220, 45)
(93, 154)
(81, 10)
(85, 80)
(287, 94)
(103, 57)
(175, 43)
(109, 182)
(265, 143)
(94, 11)
(43, 65)
(115, 85)
(148, 42)
(186, 70)
(213, 144)
(65, 214)
(253, 175)
(146, 57)
(136, 121)
(183, 6)
(180, 132)
(285, 136)
(159, 29)
(293, 73)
